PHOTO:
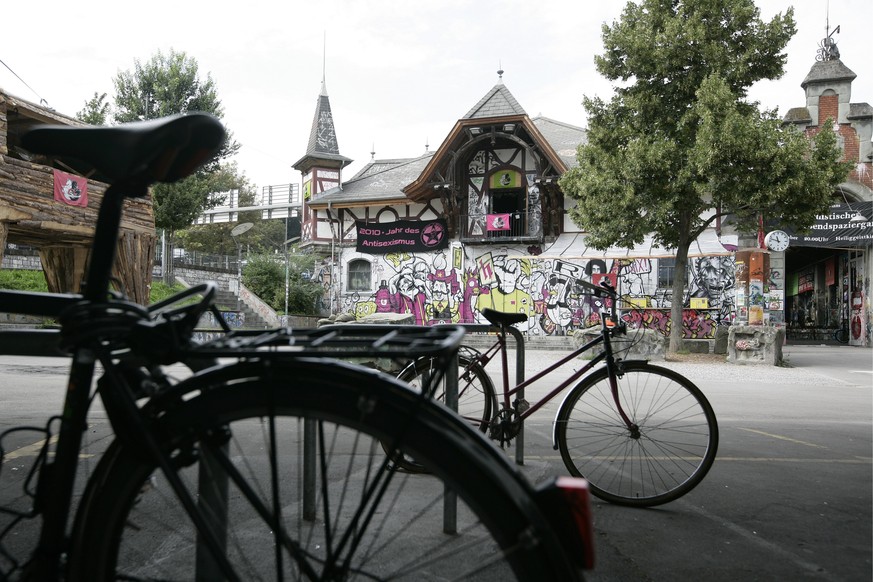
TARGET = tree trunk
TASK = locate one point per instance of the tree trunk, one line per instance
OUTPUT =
(4, 232)
(680, 275)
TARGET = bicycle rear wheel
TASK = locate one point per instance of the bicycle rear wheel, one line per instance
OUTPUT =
(362, 520)
(669, 455)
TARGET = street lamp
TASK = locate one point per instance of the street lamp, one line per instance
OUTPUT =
(238, 230)
(287, 242)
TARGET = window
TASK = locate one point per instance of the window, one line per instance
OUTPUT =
(359, 275)
(666, 267)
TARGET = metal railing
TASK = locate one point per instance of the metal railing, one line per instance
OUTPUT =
(502, 226)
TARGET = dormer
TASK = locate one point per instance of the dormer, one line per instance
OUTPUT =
(496, 175)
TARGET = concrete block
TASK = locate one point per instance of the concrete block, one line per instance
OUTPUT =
(643, 344)
(721, 340)
(755, 344)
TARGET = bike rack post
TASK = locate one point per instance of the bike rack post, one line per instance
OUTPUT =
(309, 440)
(519, 373)
(450, 501)
(519, 378)
(212, 498)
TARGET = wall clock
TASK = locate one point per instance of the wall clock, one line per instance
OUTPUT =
(776, 240)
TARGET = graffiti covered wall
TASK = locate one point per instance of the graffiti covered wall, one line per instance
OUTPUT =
(453, 286)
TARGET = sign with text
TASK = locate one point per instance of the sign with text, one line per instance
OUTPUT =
(844, 226)
(402, 235)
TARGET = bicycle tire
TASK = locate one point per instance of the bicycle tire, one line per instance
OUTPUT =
(501, 532)
(477, 400)
(675, 449)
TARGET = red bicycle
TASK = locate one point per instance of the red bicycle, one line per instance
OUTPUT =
(642, 435)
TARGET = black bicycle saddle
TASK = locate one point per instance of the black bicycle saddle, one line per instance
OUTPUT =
(503, 318)
(142, 152)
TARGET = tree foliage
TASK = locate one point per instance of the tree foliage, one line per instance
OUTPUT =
(264, 275)
(170, 84)
(678, 145)
(96, 110)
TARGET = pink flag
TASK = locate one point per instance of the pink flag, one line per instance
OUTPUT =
(71, 189)
(498, 222)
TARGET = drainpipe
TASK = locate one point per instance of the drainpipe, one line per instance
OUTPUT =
(333, 270)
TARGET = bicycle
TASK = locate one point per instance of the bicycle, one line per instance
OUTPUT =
(642, 435)
(265, 461)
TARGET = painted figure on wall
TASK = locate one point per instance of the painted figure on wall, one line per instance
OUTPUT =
(509, 295)
(436, 290)
(408, 295)
(443, 289)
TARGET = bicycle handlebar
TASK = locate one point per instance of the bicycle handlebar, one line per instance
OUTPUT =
(598, 291)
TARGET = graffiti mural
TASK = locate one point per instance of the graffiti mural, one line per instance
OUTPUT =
(455, 285)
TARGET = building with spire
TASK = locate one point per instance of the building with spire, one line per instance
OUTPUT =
(321, 167)
(482, 222)
(827, 273)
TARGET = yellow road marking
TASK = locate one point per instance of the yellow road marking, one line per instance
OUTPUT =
(783, 438)
(33, 450)
(29, 450)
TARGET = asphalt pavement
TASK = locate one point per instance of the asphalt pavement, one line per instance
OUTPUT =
(788, 498)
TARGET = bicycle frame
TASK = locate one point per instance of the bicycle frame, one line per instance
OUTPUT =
(607, 355)
(58, 475)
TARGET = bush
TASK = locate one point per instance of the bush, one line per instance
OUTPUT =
(23, 280)
(265, 276)
(161, 291)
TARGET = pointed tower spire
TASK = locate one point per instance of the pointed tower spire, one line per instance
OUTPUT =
(322, 164)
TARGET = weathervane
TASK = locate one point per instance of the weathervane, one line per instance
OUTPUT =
(827, 48)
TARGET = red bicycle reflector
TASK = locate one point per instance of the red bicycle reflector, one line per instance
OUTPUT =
(566, 502)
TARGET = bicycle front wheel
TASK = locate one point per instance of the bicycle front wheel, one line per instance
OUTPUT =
(668, 450)
(239, 445)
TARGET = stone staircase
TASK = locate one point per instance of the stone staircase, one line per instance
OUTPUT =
(227, 304)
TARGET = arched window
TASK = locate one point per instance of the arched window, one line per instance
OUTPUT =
(359, 278)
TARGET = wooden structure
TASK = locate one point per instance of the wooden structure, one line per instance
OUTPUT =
(29, 214)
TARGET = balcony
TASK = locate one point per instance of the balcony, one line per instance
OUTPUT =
(502, 227)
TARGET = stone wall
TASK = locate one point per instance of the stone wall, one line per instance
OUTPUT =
(28, 262)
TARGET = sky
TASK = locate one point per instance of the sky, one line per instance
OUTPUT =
(399, 73)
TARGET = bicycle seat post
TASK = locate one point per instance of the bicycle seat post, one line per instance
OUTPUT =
(105, 241)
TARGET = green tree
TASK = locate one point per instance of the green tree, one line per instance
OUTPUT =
(170, 84)
(264, 275)
(678, 145)
(96, 110)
